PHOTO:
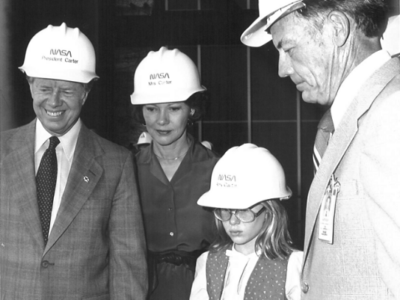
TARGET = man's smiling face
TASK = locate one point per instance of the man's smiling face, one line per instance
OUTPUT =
(57, 103)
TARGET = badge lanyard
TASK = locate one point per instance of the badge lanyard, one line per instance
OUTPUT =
(327, 211)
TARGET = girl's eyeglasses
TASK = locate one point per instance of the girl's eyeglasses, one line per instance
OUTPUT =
(244, 215)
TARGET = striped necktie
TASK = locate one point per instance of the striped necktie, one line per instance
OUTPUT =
(325, 130)
(46, 179)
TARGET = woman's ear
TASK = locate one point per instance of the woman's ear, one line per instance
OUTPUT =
(341, 27)
(192, 111)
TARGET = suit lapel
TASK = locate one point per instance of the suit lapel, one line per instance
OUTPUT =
(337, 147)
(341, 140)
(84, 175)
(21, 164)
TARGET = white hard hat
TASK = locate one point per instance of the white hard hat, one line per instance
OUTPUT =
(165, 76)
(245, 176)
(270, 11)
(144, 138)
(61, 53)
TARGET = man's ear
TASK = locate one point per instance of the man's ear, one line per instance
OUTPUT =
(341, 27)
(85, 97)
(31, 87)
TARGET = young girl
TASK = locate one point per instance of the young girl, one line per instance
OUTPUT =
(252, 257)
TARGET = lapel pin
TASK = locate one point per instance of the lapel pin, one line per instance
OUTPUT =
(86, 179)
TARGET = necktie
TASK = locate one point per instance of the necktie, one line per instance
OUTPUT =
(325, 129)
(46, 179)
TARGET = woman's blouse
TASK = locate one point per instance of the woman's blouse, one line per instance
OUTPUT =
(172, 218)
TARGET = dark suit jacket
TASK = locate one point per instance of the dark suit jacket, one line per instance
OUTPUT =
(96, 248)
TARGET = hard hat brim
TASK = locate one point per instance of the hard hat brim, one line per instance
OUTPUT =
(256, 34)
(179, 96)
(57, 74)
(217, 199)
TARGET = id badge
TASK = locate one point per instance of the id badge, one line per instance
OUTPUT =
(327, 211)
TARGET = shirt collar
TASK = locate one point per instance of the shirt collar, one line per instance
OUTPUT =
(67, 141)
(354, 81)
(234, 253)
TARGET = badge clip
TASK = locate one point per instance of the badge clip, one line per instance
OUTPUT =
(327, 211)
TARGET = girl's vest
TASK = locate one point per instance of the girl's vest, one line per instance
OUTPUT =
(267, 281)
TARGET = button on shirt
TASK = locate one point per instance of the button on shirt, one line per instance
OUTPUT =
(65, 154)
(172, 218)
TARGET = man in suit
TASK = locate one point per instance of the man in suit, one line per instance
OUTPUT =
(70, 220)
(331, 50)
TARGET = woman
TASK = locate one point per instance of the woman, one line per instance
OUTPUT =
(173, 172)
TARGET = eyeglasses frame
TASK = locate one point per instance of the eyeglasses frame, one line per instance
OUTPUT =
(234, 211)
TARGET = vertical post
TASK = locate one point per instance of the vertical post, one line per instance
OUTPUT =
(248, 62)
(6, 95)
(298, 146)
(249, 120)
(298, 135)
(200, 123)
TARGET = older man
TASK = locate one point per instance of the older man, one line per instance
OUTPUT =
(70, 221)
(331, 50)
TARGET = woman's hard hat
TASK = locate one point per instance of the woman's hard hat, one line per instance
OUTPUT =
(165, 76)
(270, 11)
(61, 53)
(245, 176)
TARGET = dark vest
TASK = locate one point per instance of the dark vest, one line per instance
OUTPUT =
(267, 281)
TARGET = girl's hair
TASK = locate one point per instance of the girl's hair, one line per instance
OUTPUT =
(198, 101)
(274, 241)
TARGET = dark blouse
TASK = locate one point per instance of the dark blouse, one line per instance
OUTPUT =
(172, 218)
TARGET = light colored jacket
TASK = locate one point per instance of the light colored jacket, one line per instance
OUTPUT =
(364, 154)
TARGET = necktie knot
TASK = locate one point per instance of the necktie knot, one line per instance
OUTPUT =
(54, 141)
(326, 123)
(325, 129)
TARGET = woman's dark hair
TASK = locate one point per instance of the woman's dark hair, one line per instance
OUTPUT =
(274, 240)
(198, 102)
(369, 15)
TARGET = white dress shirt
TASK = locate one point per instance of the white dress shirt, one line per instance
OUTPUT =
(65, 153)
(239, 269)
